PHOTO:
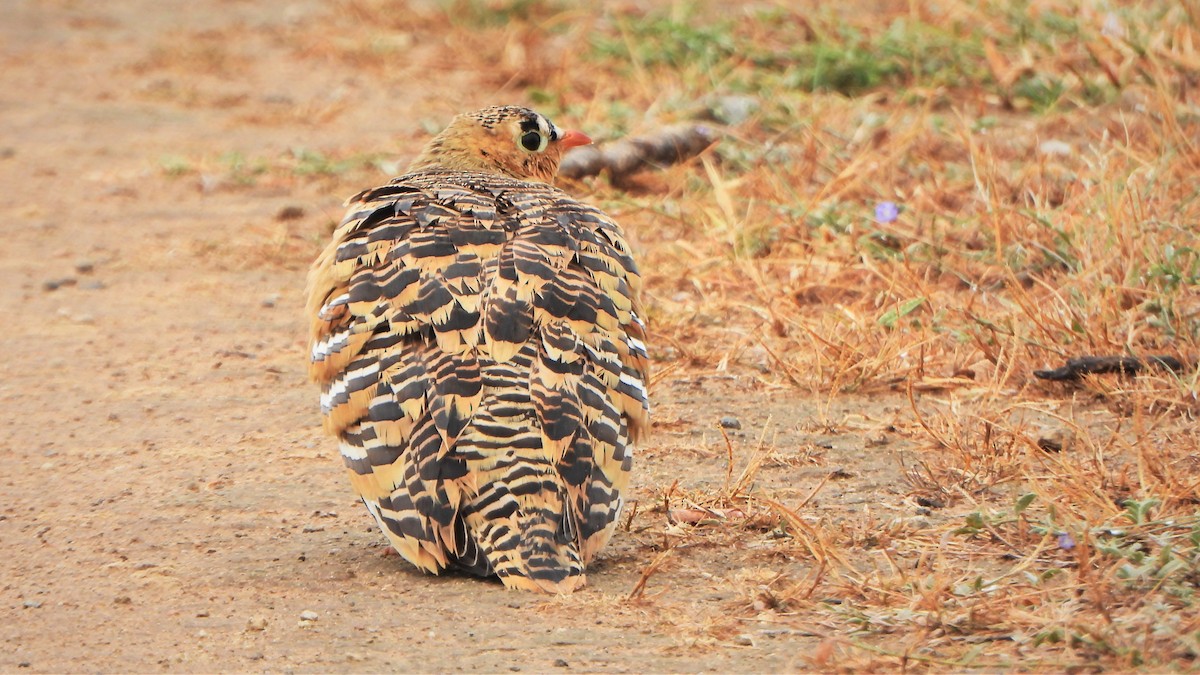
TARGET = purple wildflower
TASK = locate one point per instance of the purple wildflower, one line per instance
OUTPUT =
(886, 212)
(1065, 541)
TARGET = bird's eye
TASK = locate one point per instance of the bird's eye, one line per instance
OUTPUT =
(533, 141)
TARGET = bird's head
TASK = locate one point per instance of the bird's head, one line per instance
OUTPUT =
(505, 140)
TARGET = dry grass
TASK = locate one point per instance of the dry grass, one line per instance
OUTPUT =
(1041, 158)
(1041, 163)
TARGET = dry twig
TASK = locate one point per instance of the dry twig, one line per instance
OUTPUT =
(621, 159)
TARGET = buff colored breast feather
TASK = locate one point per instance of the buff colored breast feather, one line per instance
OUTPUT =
(478, 339)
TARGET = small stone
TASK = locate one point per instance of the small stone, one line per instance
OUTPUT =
(256, 656)
(561, 663)
(202, 614)
(32, 604)
(308, 529)
(290, 212)
(744, 640)
(210, 182)
(930, 502)
(730, 422)
(1056, 440)
(85, 267)
(309, 615)
(355, 657)
(123, 600)
(1055, 147)
(734, 109)
(257, 623)
(55, 284)
(23, 664)
(201, 633)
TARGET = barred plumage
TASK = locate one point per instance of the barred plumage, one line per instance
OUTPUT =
(478, 337)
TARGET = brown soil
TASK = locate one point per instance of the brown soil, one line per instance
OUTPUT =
(170, 502)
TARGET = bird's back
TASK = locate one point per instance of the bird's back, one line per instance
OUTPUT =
(480, 349)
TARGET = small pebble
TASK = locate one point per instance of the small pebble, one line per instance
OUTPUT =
(309, 615)
(744, 640)
(257, 623)
(561, 663)
(734, 109)
(85, 267)
(123, 600)
(290, 212)
(210, 182)
(55, 284)
(1055, 147)
(730, 422)
(1056, 440)
(32, 604)
(918, 523)
(23, 664)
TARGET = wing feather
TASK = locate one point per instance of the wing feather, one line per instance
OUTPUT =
(481, 353)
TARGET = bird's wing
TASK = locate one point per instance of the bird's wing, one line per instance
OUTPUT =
(480, 349)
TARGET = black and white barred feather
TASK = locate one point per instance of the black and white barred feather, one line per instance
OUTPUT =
(480, 347)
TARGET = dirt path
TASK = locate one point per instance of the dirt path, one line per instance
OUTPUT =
(169, 501)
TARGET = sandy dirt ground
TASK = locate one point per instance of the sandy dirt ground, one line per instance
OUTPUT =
(169, 499)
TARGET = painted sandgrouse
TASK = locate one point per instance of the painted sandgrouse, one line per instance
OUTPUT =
(478, 339)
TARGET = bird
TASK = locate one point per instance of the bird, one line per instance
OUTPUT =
(480, 343)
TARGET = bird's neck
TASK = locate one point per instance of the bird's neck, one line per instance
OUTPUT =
(446, 153)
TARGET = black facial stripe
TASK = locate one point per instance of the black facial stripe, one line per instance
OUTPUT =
(529, 124)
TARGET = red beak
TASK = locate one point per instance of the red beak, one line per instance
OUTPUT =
(573, 139)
